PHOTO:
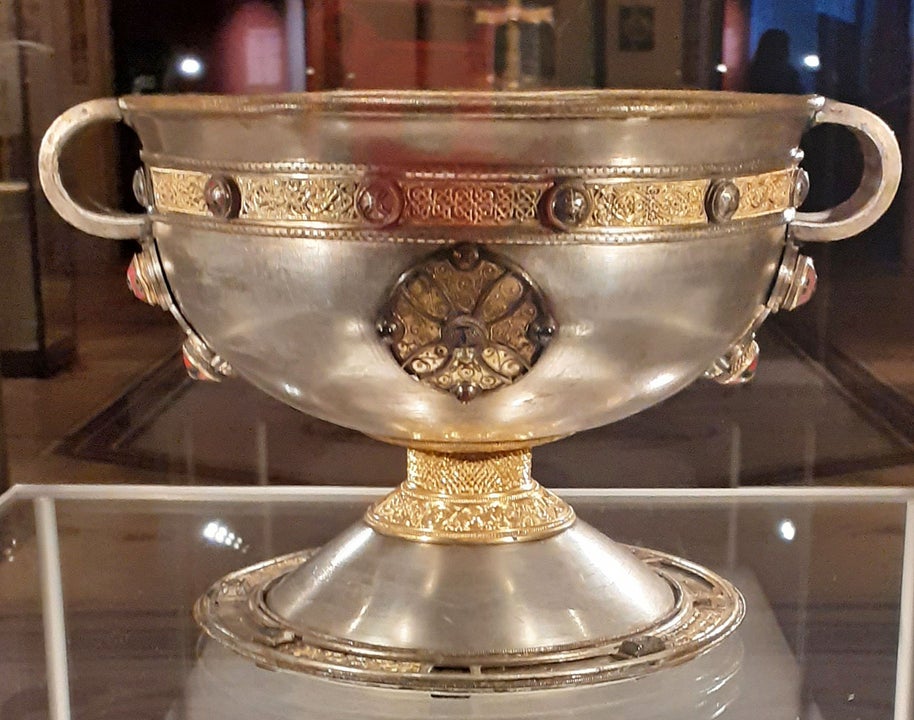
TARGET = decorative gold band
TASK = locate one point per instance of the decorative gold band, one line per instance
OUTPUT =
(471, 499)
(356, 199)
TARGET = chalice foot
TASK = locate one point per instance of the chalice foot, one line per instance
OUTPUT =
(471, 577)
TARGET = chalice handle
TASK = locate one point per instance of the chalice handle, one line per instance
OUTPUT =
(106, 223)
(878, 185)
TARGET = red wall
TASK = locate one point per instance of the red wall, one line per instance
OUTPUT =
(251, 51)
(735, 49)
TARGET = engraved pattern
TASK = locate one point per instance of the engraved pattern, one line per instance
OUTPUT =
(468, 474)
(463, 322)
(316, 199)
(475, 173)
(528, 516)
(708, 610)
(462, 203)
(645, 204)
(764, 194)
(302, 650)
(179, 191)
(473, 499)
(331, 200)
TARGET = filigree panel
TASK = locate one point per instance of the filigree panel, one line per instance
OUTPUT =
(459, 203)
(649, 204)
(179, 191)
(465, 322)
(321, 199)
(764, 194)
(530, 515)
(481, 498)
(362, 199)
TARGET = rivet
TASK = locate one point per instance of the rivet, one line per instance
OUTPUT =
(800, 187)
(568, 205)
(465, 392)
(465, 257)
(639, 647)
(542, 332)
(379, 202)
(722, 200)
(222, 197)
(387, 328)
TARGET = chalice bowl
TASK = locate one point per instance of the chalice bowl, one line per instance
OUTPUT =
(470, 274)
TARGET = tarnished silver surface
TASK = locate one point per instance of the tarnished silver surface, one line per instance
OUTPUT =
(656, 227)
(462, 601)
(641, 311)
(636, 323)
(573, 609)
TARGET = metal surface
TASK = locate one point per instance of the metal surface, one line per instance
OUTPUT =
(146, 279)
(349, 197)
(474, 499)
(109, 223)
(655, 225)
(738, 365)
(295, 314)
(298, 319)
(201, 361)
(881, 176)
(465, 619)
(465, 321)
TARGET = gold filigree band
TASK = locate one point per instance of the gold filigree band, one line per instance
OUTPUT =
(472, 499)
(358, 198)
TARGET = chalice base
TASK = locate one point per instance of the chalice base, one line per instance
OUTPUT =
(437, 590)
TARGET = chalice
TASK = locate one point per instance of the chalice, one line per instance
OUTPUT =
(470, 274)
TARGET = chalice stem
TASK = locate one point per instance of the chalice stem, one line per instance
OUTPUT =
(478, 498)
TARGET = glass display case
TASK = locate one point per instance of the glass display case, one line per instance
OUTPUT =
(471, 228)
(37, 292)
(97, 585)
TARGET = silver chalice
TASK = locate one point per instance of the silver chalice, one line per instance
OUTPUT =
(470, 274)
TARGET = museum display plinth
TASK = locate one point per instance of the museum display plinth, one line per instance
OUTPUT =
(472, 274)
(827, 629)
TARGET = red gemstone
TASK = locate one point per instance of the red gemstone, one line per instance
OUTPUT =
(133, 282)
(753, 366)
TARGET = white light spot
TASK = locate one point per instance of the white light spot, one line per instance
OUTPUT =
(291, 390)
(661, 381)
(812, 61)
(190, 66)
(721, 68)
(787, 530)
(219, 534)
